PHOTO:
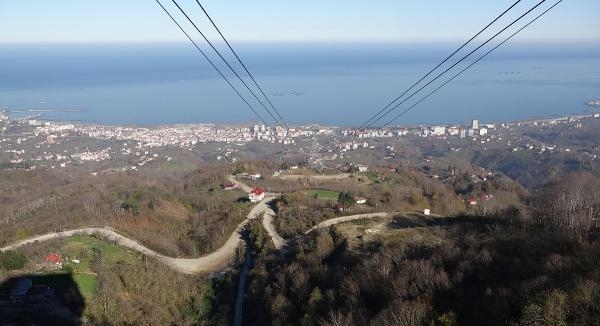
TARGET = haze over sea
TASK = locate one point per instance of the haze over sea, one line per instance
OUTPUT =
(333, 84)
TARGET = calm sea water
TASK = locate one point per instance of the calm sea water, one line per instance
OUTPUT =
(340, 84)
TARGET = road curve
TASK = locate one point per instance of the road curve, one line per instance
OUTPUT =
(314, 177)
(269, 225)
(217, 260)
(345, 219)
(240, 184)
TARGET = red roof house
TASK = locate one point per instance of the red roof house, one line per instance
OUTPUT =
(229, 186)
(53, 260)
(257, 195)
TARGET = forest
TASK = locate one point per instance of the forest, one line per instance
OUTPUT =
(532, 266)
(184, 215)
(525, 257)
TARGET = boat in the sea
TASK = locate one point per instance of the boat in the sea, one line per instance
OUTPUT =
(595, 103)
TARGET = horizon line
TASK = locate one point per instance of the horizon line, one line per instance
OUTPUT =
(591, 41)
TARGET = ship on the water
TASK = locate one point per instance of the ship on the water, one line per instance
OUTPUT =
(595, 103)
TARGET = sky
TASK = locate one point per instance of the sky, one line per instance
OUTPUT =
(33, 21)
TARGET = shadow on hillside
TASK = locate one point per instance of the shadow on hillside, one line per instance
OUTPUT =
(65, 308)
(243, 200)
(416, 220)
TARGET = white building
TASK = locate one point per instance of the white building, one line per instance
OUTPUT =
(483, 131)
(475, 124)
(362, 168)
(439, 130)
(256, 195)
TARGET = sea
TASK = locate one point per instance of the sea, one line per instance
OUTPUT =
(336, 84)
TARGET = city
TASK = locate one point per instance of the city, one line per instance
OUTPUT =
(33, 144)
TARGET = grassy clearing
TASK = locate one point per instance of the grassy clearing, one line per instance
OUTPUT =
(88, 284)
(324, 194)
(86, 249)
(398, 229)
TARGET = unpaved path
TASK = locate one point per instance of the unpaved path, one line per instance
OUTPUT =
(314, 177)
(268, 224)
(345, 219)
(214, 261)
(240, 184)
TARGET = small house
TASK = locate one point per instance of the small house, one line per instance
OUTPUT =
(229, 186)
(257, 195)
(361, 200)
(53, 260)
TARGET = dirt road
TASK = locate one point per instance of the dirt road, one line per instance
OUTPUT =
(345, 219)
(314, 177)
(214, 261)
(268, 224)
(240, 184)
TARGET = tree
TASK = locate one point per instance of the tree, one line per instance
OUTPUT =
(571, 205)
(346, 199)
(555, 309)
(532, 315)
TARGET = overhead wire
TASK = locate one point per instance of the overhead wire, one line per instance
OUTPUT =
(441, 63)
(210, 61)
(472, 64)
(242, 63)
(225, 61)
(455, 64)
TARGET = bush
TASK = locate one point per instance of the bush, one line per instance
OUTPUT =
(12, 260)
(346, 199)
(131, 206)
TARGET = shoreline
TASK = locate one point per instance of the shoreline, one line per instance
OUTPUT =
(5, 115)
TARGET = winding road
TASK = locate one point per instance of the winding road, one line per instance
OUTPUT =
(213, 262)
(345, 219)
(314, 177)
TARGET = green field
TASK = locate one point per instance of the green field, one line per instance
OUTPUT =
(324, 194)
(87, 284)
(86, 249)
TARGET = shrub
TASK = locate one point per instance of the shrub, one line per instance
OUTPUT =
(12, 260)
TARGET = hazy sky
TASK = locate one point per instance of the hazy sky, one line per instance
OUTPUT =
(290, 20)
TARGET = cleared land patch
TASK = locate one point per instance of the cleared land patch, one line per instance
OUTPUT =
(323, 194)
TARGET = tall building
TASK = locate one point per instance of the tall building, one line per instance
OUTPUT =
(475, 124)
